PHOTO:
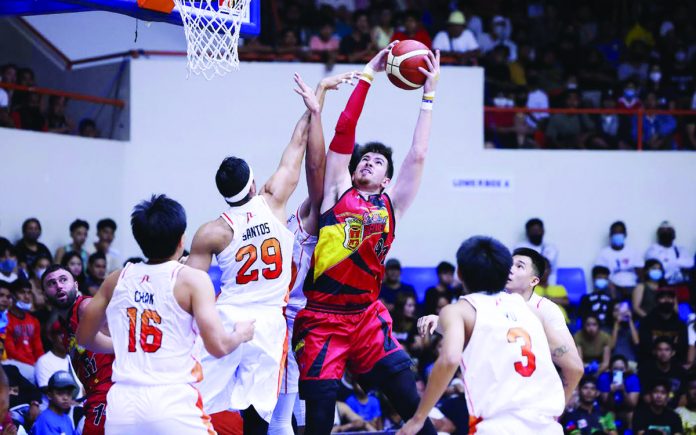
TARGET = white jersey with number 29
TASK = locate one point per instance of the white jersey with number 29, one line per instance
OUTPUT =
(508, 372)
(257, 264)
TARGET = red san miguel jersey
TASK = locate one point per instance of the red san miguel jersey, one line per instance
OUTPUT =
(348, 263)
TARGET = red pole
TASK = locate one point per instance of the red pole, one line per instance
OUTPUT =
(640, 129)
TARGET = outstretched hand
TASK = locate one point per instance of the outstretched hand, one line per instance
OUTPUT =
(379, 62)
(333, 82)
(433, 71)
(307, 95)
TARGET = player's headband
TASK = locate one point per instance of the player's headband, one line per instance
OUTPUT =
(245, 190)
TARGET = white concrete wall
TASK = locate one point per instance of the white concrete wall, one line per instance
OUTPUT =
(182, 128)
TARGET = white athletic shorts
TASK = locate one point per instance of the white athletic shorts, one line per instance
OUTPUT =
(155, 410)
(518, 425)
(291, 376)
(251, 375)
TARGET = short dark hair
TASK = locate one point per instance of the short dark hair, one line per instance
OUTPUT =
(617, 357)
(587, 380)
(444, 267)
(538, 260)
(484, 264)
(596, 270)
(106, 223)
(20, 284)
(94, 257)
(86, 122)
(666, 383)
(663, 339)
(52, 268)
(588, 316)
(617, 224)
(6, 285)
(158, 224)
(532, 222)
(26, 223)
(7, 246)
(134, 260)
(650, 262)
(377, 148)
(79, 223)
(231, 177)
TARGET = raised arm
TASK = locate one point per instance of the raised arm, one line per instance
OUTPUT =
(315, 161)
(283, 182)
(94, 317)
(408, 181)
(337, 177)
(216, 340)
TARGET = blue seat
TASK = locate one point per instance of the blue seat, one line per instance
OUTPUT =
(684, 311)
(420, 278)
(215, 275)
(573, 279)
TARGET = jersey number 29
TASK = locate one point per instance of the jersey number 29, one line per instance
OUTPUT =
(270, 256)
(514, 335)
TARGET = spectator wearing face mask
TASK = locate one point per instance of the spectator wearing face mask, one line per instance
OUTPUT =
(28, 247)
(645, 293)
(658, 84)
(629, 99)
(23, 337)
(8, 262)
(674, 258)
(499, 36)
(663, 320)
(622, 261)
(600, 302)
(658, 128)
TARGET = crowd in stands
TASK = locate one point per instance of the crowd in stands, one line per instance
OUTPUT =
(537, 54)
(28, 110)
(634, 329)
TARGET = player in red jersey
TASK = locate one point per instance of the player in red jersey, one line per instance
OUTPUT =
(344, 325)
(93, 369)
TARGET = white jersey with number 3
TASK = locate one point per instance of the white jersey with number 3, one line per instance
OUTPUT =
(153, 336)
(508, 372)
(257, 264)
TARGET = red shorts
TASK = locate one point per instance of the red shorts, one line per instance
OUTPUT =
(326, 343)
(95, 415)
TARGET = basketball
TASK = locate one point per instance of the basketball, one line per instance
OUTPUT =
(403, 62)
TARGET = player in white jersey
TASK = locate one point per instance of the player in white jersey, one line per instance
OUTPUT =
(154, 311)
(527, 269)
(253, 247)
(512, 386)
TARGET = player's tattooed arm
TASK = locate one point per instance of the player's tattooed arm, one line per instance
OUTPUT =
(559, 351)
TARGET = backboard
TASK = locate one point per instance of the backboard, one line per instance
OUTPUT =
(251, 23)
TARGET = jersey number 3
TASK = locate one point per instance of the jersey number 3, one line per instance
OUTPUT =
(515, 335)
(150, 335)
(270, 255)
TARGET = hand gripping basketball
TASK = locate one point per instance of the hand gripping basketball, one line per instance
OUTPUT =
(432, 73)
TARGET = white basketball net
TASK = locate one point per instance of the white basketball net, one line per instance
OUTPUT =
(212, 34)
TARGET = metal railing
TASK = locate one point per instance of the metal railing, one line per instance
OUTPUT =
(639, 113)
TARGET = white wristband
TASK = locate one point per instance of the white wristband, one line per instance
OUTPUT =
(427, 102)
(368, 74)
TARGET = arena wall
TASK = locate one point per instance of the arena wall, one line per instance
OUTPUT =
(182, 128)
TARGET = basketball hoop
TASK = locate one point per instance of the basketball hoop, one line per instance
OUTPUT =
(212, 34)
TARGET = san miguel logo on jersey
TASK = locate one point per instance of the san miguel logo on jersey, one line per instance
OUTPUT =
(354, 233)
(358, 228)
